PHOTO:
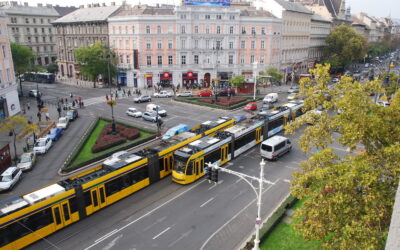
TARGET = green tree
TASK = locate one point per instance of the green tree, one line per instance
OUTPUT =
(22, 59)
(237, 81)
(93, 60)
(348, 199)
(276, 75)
(52, 68)
(14, 125)
(343, 46)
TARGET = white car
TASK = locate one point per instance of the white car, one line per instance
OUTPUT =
(383, 103)
(27, 161)
(9, 178)
(134, 113)
(163, 93)
(270, 98)
(116, 157)
(63, 122)
(185, 94)
(42, 145)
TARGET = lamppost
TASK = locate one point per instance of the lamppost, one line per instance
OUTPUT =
(255, 78)
(217, 48)
(111, 102)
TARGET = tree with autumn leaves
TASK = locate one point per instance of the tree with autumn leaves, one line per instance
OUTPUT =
(348, 199)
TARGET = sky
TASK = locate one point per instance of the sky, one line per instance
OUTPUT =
(377, 8)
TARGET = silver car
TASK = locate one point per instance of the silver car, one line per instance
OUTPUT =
(142, 98)
(9, 178)
(150, 116)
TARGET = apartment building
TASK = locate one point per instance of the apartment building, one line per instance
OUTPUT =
(9, 101)
(320, 29)
(31, 26)
(192, 45)
(333, 10)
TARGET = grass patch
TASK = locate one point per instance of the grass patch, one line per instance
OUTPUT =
(197, 101)
(284, 237)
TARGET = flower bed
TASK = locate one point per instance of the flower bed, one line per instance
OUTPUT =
(107, 140)
(223, 101)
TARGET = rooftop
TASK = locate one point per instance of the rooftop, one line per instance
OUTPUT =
(90, 14)
(295, 7)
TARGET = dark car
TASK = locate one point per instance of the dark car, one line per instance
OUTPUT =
(142, 98)
(226, 92)
(72, 115)
(34, 93)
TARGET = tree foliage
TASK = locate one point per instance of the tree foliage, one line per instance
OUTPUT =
(276, 75)
(237, 81)
(52, 68)
(349, 196)
(343, 46)
(22, 58)
(377, 49)
(93, 61)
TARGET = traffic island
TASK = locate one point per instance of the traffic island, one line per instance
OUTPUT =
(99, 143)
(226, 103)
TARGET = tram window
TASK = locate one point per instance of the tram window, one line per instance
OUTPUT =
(240, 142)
(275, 123)
(39, 220)
(213, 156)
(113, 186)
(57, 214)
(4, 239)
(189, 170)
(66, 212)
(94, 197)
(88, 200)
(161, 164)
(125, 181)
(72, 205)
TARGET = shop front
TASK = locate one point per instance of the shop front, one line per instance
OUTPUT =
(122, 79)
(149, 80)
(166, 79)
(189, 80)
(3, 108)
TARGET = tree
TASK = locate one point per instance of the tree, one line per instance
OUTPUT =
(93, 61)
(14, 124)
(22, 60)
(276, 76)
(348, 199)
(52, 68)
(237, 81)
(343, 46)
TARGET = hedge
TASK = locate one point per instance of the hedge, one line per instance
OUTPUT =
(194, 100)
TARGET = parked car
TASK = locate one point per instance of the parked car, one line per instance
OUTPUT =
(34, 93)
(205, 92)
(383, 103)
(42, 145)
(134, 112)
(72, 114)
(142, 98)
(9, 178)
(294, 89)
(270, 98)
(117, 157)
(225, 92)
(163, 93)
(150, 116)
(292, 96)
(266, 107)
(55, 133)
(153, 108)
(175, 131)
(251, 106)
(185, 94)
(63, 122)
(27, 161)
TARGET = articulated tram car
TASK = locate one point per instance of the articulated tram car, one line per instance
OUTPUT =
(26, 219)
(230, 143)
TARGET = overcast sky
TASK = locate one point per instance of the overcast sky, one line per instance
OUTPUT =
(378, 8)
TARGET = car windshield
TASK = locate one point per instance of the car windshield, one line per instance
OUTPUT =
(70, 113)
(25, 159)
(62, 121)
(39, 144)
(180, 163)
(6, 178)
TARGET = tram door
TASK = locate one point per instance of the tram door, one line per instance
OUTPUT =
(98, 196)
(198, 168)
(168, 162)
(224, 153)
(258, 135)
(62, 215)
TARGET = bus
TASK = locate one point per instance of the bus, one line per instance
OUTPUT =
(41, 77)
(31, 217)
(230, 143)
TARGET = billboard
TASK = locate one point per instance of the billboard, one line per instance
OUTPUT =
(208, 2)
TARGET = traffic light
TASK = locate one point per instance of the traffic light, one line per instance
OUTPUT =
(387, 79)
(214, 175)
(208, 173)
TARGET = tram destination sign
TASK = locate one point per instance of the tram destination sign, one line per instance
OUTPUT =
(208, 2)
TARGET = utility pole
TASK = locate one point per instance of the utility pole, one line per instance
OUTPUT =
(113, 127)
(212, 175)
(255, 79)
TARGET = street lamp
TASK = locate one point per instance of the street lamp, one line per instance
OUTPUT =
(255, 78)
(111, 102)
(218, 47)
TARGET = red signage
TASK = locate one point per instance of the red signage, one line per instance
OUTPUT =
(165, 76)
(190, 74)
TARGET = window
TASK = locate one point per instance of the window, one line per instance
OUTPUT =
(3, 49)
(231, 30)
(159, 29)
(35, 30)
(170, 60)
(219, 17)
(44, 39)
(26, 20)
(262, 44)
(183, 29)
(253, 30)
(196, 59)
(218, 30)
(9, 80)
(183, 16)
(243, 44)
(120, 44)
(36, 39)
(126, 44)
(230, 45)
(148, 60)
(148, 45)
(263, 30)
(29, 39)
(148, 29)
(13, 20)
(196, 29)
(183, 44)
(34, 20)
(51, 48)
(133, 29)
(126, 29)
(251, 58)
(207, 29)
(262, 59)
(207, 44)
(230, 60)
(231, 17)
(43, 30)
(243, 30)
(196, 44)
(49, 30)
(169, 44)
(1, 76)
(159, 44)
(207, 16)
(253, 44)
(119, 30)
(17, 29)
(183, 59)
(218, 45)
(242, 60)
(28, 30)
(159, 60)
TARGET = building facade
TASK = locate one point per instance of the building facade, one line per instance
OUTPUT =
(333, 10)
(320, 29)
(192, 45)
(31, 26)
(9, 101)
(80, 28)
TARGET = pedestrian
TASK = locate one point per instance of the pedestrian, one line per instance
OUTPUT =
(73, 103)
(28, 106)
(39, 115)
(123, 92)
(62, 101)
(71, 95)
(47, 116)
(59, 111)
(66, 100)
(129, 92)
(140, 92)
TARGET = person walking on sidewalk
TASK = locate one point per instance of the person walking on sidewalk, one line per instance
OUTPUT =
(39, 115)
(28, 105)
(47, 116)
(59, 111)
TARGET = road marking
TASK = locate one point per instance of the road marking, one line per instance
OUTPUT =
(155, 237)
(286, 180)
(236, 215)
(181, 237)
(112, 243)
(213, 186)
(238, 180)
(141, 217)
(241, 167)
(98, 240)
(157, 221)
(239, 194)
(205, 203)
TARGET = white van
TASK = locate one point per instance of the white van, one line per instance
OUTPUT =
(275, 147)
(153, 108)
(270, 98)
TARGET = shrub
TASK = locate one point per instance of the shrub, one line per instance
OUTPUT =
(107, 139)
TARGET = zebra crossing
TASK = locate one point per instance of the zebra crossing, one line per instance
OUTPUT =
(97, 100)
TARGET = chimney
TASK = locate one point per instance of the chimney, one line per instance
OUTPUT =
(26, 4)
(104, 4)
(81, 6)
(89, 6)
(14, 3)
(39, 5)
(112, 3)
(49, 5)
